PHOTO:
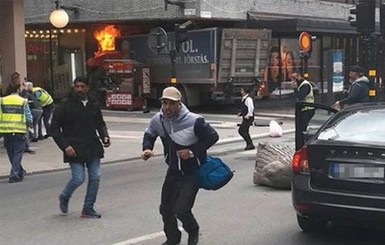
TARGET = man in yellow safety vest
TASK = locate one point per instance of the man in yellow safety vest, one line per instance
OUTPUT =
(303, 91)
(46, 101)
(15, 117)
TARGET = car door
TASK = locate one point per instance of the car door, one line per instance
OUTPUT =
(322, 113)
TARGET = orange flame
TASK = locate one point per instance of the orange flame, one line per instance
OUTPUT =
(106, 38)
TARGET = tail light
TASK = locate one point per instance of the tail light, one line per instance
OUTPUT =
(300, 163)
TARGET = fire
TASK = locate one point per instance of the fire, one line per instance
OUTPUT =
(106, 38)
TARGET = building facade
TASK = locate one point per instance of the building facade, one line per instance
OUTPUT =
(56, 56)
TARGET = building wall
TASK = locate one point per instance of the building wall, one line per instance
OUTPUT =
(12, 41)
(37, 11)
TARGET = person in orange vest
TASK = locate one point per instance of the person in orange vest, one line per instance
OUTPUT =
(46, 101)
(15, 117)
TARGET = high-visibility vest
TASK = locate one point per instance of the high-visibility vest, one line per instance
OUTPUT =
(309, 98)
(45, 98)
(12, 115)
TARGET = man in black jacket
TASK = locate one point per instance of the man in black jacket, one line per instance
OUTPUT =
(74, 126)
(359, 89)
(186, 137)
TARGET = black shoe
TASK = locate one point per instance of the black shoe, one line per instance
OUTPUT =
(63, 203)
(90, 213)
(175, 240)
(15, 180)
(250, 147)
(193, 237)
(22, 173)
(34, 139)
(40, 137)
(46, 136)
(171, 242)
(29, 151)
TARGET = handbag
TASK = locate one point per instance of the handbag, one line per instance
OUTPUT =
(213, 174)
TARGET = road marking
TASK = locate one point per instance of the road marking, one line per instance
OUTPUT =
(126, 137)
(143, 238)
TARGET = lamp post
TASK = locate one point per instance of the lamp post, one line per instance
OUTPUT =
(59, 17)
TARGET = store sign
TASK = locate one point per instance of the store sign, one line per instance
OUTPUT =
(36, 47)
(118, 67)
(146, 81)
(118, 99)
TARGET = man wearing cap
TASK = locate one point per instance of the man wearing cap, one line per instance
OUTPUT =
(359, 88)
(186, 137)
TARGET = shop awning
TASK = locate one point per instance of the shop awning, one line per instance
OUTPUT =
(288, 24)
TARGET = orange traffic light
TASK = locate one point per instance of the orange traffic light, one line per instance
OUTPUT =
(305, 42)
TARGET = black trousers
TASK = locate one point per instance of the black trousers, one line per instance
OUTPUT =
(301, 126)
(178, 197)
(243, 130)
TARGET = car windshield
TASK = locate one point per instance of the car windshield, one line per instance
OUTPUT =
(364, 126)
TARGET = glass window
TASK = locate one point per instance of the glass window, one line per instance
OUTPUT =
(365, 126)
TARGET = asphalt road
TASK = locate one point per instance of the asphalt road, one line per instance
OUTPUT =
(240, 213)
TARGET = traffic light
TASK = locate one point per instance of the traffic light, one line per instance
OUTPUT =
(365, 12)
(382, 19)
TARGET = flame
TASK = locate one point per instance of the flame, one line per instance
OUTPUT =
(106, 38)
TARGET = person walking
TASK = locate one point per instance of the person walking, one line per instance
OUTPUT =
(74, 125)
(15, 117)
(247, 114)
(358, 91)
(186, 136)
(303, 92)
(47, 104)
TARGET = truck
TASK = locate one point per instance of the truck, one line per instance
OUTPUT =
(210, 67)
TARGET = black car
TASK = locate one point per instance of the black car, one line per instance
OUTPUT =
(339, 168)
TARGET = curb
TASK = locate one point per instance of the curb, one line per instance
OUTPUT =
(219, 143)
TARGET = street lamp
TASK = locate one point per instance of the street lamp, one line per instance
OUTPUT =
(59, 17)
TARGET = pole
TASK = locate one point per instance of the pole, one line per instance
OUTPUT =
(173, 65)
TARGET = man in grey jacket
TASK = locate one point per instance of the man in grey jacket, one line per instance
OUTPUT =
(359, 89)
(186, 137)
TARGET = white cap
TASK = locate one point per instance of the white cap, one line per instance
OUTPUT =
(171, 93)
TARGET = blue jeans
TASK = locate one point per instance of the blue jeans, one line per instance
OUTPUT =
(15, 145)
(77, 178)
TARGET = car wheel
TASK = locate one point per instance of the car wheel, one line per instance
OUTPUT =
(311, 224)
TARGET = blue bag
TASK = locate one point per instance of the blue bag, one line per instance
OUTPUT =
(213, 174)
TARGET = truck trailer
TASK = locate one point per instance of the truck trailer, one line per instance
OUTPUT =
(210, 67)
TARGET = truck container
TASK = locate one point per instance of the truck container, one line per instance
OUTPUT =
(210, 66)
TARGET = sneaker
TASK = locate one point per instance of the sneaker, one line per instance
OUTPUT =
(193, 237)
(29, 151)
(22, 173)
(63, 203)
(250, 147)
(15, 180)
(171, 242)
(34, 139)
(90, 213)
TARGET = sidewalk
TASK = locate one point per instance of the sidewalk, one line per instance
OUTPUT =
(126, 145)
